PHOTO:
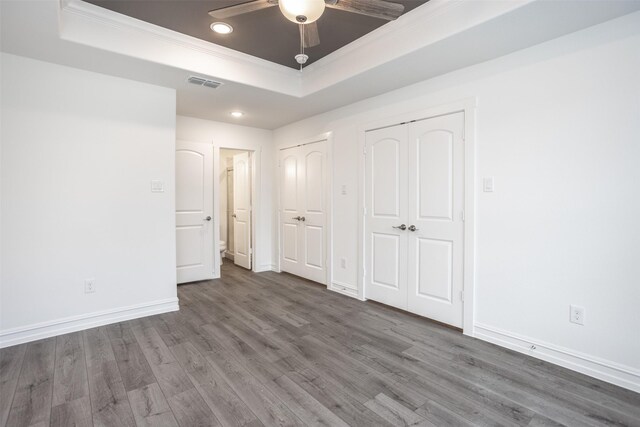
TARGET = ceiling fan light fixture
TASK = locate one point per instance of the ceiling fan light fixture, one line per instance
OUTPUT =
(237, 114)
(302, 11)
(221, 28)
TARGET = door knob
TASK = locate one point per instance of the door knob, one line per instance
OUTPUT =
(413, 228)
(234, 215)
(400, 227)
(208, 218)
(303, 219)
(297, 218)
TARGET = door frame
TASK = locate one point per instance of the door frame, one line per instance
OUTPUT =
(255, 161)
(468, 107)
(328, 234)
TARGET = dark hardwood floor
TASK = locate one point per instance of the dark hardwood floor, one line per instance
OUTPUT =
(272, 349)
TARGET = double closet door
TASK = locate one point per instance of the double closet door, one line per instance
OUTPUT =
(303, 214)
(414, 217)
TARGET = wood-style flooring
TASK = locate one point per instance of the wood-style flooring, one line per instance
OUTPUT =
(272, 349)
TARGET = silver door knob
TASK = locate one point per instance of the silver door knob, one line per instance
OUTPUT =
(413, 228)
(208, 218)
(400, 227)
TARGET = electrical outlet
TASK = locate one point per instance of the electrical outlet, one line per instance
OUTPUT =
(577, 315)
(343, 263)
(89, 286)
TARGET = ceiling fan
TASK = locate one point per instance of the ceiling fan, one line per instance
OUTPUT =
(306, 13)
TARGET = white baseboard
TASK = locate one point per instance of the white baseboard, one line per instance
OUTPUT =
(343, 288)
(623, 376)
(85, 321)
(264, 267)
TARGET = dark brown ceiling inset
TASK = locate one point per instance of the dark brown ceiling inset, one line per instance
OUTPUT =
(265, 33)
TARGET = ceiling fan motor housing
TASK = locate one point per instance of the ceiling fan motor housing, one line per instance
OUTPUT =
(301, 58)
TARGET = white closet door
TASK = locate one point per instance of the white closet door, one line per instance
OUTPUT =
(291, 255)
(436, 202)
(386, 214)
(194, 210)
(242, 210)
(313, 210)
(303, 211)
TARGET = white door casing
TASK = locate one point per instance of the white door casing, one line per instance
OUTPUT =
(194, 204)
(386, 213)
(436, 204)
(242, 210)
(414, 175)
(303, 217)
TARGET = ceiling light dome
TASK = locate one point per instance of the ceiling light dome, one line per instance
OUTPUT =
(302, 11)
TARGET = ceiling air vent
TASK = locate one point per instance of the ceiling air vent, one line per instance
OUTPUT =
(203, 82)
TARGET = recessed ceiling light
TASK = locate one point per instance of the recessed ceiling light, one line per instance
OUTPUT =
(237, 114)
(221, 28)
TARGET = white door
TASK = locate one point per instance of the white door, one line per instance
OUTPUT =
(290, 230)
(436, 204)
(386, 216)
(194, 210)
(242, 210)
(414, 229)
(303, 211)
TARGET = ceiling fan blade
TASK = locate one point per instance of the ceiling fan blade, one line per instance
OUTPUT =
(310, 34)
(375, 8)
(239, 9)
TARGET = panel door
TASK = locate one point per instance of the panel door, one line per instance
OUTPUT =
(242, 210)
(313, 210)
(291, 253)
(436, 203)
(194, 211)
(386, 215)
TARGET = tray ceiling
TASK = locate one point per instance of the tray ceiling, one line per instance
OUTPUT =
(266, 33)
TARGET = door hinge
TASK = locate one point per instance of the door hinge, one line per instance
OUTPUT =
(462, 216)
(364, 150)
(462, 296)
(364, 211)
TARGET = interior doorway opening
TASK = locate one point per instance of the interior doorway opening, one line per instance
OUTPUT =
(235, 210)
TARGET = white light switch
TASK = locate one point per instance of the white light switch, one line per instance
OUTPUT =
(157, 186)
(487, 185)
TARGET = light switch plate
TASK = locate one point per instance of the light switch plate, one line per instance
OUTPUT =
(487, 184)
(157, 186)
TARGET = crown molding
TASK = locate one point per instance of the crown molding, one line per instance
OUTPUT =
(423, 26)
(91, 25)
(86, 23)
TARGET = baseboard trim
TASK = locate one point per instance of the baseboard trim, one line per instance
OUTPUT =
(264, 267)
(91, 320)
(605, 370)
(343, 288)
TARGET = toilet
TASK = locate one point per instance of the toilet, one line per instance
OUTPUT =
(223, 247)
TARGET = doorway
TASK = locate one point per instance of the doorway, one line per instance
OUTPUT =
(215, 190)
(235, 207)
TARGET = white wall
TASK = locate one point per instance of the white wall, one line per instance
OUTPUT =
(79, 150)
(558, 126)
(259, 141)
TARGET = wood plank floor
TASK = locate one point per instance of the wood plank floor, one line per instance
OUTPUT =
(272, 349)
